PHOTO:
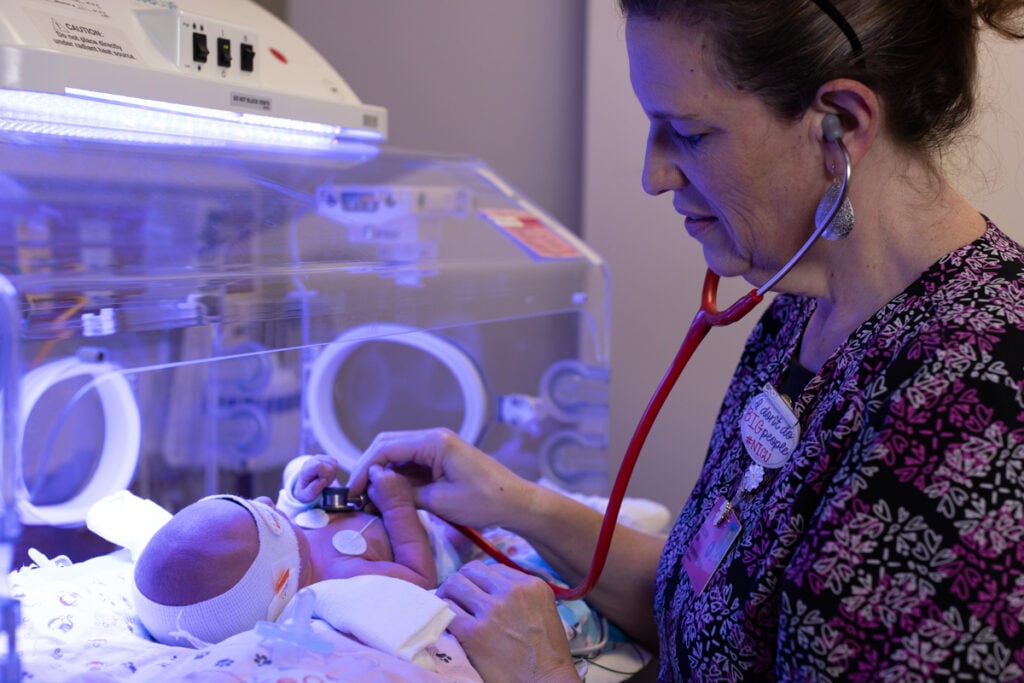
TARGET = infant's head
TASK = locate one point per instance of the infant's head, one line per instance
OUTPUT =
(215, 569)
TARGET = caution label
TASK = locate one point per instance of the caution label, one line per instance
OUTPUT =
(531, 233)
(75, 35)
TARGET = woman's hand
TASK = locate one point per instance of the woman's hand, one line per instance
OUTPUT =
(507, 623)
(452, 478)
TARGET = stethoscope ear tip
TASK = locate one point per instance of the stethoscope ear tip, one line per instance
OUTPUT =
(832, 127)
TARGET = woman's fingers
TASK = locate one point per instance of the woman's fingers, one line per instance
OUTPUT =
(426, 448)
(507, 623)
(465, 599)
(463, 484)
(490, 593)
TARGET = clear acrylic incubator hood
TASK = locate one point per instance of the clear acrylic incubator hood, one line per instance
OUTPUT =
(211, 262)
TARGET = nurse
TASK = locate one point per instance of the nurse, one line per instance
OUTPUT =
(859, 512)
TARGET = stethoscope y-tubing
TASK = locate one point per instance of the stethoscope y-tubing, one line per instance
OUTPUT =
(708, 316)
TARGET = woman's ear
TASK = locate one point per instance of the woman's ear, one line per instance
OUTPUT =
(858, 110)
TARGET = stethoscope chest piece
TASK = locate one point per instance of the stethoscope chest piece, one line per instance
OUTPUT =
(336, 499)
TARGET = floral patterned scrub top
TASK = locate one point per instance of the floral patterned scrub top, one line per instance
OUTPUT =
(890, 546)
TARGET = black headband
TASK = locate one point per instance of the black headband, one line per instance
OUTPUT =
(828, 8)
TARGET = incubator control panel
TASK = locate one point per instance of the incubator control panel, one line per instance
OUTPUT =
(202, 45)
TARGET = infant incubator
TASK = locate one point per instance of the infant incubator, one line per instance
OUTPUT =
(211, 262)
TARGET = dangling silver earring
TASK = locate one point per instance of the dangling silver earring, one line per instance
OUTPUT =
(842, 223)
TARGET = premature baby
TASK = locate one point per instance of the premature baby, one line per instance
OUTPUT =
(224, 563)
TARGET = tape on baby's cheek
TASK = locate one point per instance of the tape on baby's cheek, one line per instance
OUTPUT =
(285, 568)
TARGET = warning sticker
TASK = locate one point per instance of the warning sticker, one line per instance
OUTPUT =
(532, 233)
(251, 101)
(88, 37)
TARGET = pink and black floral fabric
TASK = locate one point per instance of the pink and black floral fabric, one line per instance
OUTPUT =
(890, 547)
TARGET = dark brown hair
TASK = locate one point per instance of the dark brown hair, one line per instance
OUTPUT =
(919, 56)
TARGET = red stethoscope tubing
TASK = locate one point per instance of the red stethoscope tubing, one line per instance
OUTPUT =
(707, 317)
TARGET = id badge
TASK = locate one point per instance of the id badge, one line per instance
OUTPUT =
(711, 544)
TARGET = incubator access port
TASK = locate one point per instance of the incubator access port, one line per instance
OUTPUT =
(568, 458)
(575, 391)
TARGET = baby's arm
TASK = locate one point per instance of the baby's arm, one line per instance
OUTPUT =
(392, 495)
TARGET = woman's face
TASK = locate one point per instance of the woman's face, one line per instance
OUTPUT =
(746, 182)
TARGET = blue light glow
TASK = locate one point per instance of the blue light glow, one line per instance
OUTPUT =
(99, 116)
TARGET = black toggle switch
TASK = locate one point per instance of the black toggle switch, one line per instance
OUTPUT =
(199, 49)
(223, 52)
(248, 56)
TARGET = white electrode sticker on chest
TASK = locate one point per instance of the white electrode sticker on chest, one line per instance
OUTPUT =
(769, 428)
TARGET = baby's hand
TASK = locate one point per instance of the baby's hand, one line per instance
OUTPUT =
(393, 495)
(389, 490)
(316, 474)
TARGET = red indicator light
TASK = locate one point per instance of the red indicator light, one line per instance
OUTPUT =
(280, 57)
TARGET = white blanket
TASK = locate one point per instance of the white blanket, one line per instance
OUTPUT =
(79, 626)
(391, 615)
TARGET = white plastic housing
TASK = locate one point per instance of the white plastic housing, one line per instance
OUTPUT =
(149, 50)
